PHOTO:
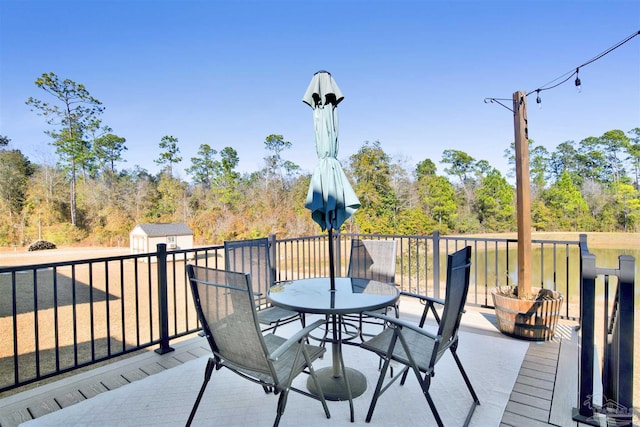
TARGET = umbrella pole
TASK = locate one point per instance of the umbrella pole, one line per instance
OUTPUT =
(335, 324)
(332, 271)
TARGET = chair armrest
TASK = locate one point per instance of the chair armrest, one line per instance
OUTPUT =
(295, 339)
(423, 298)
(403, 324)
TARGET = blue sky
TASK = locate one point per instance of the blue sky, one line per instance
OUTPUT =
(414, 73)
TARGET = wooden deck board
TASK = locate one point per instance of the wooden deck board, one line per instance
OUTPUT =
(534, 373)
(92, 389)
(198, 352)
(542, 361)
(536, 382)
(546, 384)
(153, 368)
(70, 398)
(115, 381)
(15, 418)
(528, 411)
(538, 402)
(515, 420)
(170, 362)
(544, 355)
(529, 363)
(565, 394)
(44, 407)
(533, 391)
(134, 375)
(549, 347)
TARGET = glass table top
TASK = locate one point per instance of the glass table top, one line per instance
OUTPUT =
(350, 296)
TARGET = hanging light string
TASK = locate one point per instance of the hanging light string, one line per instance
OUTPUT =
(577, 69)
(566, 76)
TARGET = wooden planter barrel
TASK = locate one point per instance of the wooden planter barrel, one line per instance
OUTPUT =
(533, 320)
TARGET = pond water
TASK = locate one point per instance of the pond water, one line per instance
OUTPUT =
(555, 267)
(552, 268)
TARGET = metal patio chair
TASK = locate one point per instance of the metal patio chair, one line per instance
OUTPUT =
(419, 350)
(226, 309)
(252, 256)
(376, 260)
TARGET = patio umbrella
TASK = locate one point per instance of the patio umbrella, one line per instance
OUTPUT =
(330, 198)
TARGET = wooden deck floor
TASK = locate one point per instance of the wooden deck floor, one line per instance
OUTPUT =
(547, 384)
(544, 393)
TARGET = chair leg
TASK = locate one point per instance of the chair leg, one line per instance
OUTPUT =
(476, 401)
(346, 381)
(432, 405)
(405, 371)
(273, 330)
(376, 393)
(381, 359)
(466, 378)
(360, 326)
(323, 340)
(303, 320)
(207, 376)
(282, 402)
(312, 373)
(425, 383)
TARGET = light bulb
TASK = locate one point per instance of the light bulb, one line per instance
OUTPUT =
(538, 100)
(578, 82)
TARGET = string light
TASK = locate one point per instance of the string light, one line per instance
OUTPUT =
(567, 76)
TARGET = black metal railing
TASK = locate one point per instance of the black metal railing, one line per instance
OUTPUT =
(616, 317)
(57, 317)
(421, 259)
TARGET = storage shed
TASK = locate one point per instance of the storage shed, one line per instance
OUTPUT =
(144, 237)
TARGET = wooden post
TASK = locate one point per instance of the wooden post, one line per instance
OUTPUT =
(523, 193)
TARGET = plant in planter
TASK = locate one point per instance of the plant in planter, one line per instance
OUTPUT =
(523, 311)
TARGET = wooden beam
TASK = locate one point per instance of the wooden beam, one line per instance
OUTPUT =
(523, 193)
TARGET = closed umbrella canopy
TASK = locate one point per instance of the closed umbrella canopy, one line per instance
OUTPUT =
(331, 198)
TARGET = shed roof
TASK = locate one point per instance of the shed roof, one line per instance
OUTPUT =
(166, 229)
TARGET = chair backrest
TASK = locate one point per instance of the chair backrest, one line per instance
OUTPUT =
(373, 259)
(226, 309)
(458, 273)
(251, 256)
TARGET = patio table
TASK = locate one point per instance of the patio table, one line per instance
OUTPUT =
(350, 296)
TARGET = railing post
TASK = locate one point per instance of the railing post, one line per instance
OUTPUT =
(272, 256)
(163, 306)
(587, 332)
(436, 264)
(625, 341)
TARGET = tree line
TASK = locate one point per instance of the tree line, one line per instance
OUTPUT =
(589, 185)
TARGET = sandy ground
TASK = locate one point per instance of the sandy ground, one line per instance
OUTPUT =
(20, 256)
(10, 256)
